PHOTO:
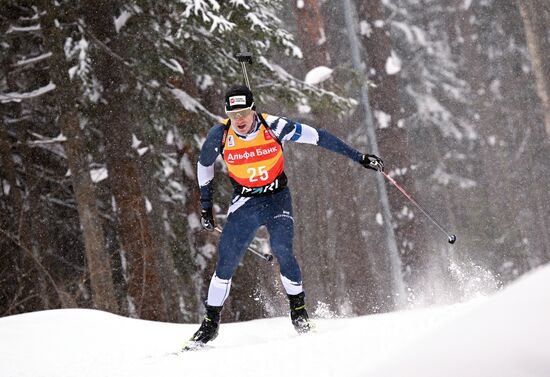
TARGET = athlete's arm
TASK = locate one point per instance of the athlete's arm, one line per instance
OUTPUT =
(288, 130)
(205, 167)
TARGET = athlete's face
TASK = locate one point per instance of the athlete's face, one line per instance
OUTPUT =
(244, 124)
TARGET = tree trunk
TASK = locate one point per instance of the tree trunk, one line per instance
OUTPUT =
(331, 233)
(383, 70)
(306, 166)
(145, 296)
(311, 33)
(506, 216)
(99, 268)
(536, 21)
(172, 285)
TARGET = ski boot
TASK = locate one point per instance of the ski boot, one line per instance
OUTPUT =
(298, 313)
(208, 330)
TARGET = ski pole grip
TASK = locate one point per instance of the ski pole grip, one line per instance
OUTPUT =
(244, 57)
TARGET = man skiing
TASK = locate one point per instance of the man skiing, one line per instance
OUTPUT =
(251, 145)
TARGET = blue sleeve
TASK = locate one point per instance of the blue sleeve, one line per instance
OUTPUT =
(211, 148)
(332, 143)
(210, 151)
(288, 130)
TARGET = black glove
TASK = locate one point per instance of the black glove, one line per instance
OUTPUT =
(207, 220)
(373, 162)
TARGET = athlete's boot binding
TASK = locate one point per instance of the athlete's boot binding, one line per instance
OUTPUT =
(298, 313)
(210, 325)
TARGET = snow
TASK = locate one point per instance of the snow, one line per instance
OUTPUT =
(173, 64)
(170, 138)
(32, 60)
(434, 111)
(71, 48)
(204, 82)
(190, 103)
(121, 20)
(445, 178)
(98, 175)
(6, 187)
(167, 168)
(503, 335)
(384, 119)
(393, 64)
(22, 29)
(46, 140)
(413, 33)
(239, 3)
(142, 151)
(18, 97)
(219, 23)
(255, 20)
(364, 28)
(135, 142)
(50, 144)
(318, 75)
(187, 166)
(304, 108)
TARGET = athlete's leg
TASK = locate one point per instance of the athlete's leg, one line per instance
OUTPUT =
(280, 225)
(237, 234)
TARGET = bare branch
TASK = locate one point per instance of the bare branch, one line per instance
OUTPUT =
(14, 239)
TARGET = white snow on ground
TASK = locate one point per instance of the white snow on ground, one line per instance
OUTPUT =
(504, 335)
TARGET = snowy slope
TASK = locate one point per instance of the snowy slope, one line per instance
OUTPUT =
(505, 335)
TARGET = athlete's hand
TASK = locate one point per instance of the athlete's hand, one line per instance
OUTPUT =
(207, 220)
(373, 162)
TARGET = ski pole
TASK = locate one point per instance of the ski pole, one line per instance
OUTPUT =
(450, 237)
(244, 57)
(265, 256)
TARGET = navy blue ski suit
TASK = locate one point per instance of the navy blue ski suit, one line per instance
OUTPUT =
(271, 208)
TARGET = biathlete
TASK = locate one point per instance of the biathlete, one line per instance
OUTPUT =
(251, 145)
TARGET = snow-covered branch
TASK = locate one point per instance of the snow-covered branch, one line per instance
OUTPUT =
(46, 140)
(191, 104)
(32, 60)
(22, 29)
(18, 97)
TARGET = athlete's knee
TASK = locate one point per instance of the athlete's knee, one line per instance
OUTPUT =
(227, 263)
(281, 244)
(290, 268)
(224, 271)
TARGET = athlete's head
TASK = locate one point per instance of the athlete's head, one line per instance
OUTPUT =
(239, 107)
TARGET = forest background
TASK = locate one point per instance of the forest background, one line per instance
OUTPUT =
(104, 106)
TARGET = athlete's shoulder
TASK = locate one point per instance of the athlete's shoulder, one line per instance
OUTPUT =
(213, 139)
(270, 119)
(276, 123)
(216, 131)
